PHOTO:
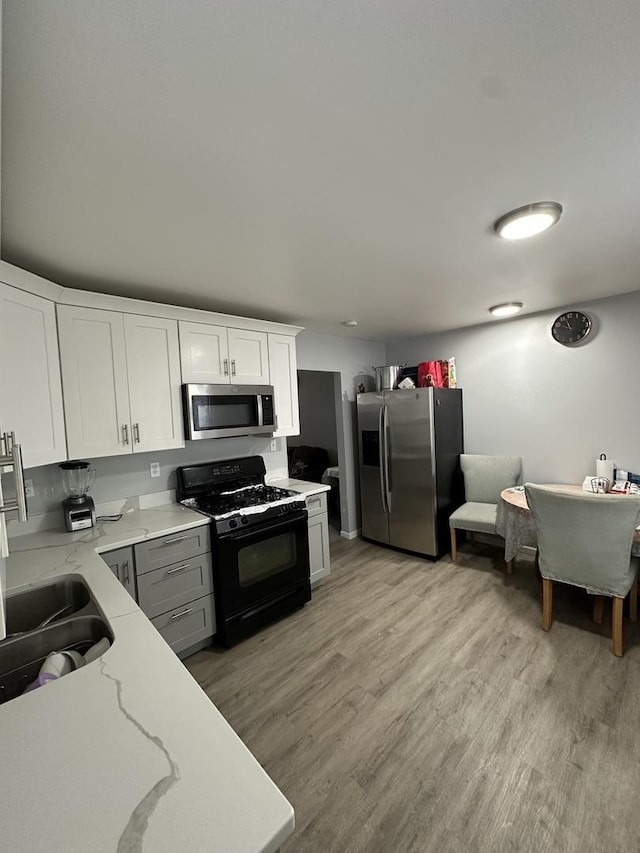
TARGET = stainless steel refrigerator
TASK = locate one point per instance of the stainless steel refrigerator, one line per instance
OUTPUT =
(410, 442)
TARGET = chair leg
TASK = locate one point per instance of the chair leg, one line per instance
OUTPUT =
(547, 604)
(633, 601)
(454, 546)
(536, 565)
(598, 608)
(617, 626)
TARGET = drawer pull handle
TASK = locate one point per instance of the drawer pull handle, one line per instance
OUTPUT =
(175, 539)
(178, 569)
(182, 613)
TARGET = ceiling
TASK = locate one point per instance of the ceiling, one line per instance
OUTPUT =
(313, 162)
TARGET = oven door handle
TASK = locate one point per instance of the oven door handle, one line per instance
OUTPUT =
(266, 528)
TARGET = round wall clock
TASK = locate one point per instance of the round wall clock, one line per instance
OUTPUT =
(571, 328)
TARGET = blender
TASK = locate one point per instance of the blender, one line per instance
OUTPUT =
(79, 509)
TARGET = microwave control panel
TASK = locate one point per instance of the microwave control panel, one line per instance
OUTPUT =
(267, 410)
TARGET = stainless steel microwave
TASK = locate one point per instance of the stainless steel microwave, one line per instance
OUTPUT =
(224, 411)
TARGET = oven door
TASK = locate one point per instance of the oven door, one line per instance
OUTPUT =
(260, 573)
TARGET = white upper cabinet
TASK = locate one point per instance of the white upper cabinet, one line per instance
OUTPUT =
(153, 366)
(30, 389)
(248, 357)
(121, 382)
(204, 353)
(93, 357)
(284, 378)
(217, 355)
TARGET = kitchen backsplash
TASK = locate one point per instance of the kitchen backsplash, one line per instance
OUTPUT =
(128, 476)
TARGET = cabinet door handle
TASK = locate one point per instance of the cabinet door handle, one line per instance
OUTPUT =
(175, 539)
(18, 472)
(136, 433)
(233, 367)
(125, 569)
(226, 367)
(182, 613)
(125, 433)
(178, 569)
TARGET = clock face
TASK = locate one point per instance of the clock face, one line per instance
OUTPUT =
(571, 328)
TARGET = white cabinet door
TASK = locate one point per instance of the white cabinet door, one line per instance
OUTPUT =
(319, 559)
(30, 387)
(284, 378)
(94, 381)
(153, 364)
(249, 357)
(204, 353)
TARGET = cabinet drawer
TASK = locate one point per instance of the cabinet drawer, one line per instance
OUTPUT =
(185, 626)
(316, 503)
(173, 586)
(173, 548)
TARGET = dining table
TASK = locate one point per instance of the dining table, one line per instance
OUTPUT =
(517, 526)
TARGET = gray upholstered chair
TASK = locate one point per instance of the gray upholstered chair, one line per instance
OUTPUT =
(585, 540)
(484, 478)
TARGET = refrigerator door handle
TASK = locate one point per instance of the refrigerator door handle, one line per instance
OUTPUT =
(382, 460)
(387, 470)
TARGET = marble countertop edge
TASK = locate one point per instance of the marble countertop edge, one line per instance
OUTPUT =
(131, 740)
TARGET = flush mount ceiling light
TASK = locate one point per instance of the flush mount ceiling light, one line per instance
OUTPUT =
(528, 220)
(350, 323)
(507, 309)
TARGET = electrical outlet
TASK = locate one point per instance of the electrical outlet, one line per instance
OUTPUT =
(29, 491)
(154, 469)
(274, 444)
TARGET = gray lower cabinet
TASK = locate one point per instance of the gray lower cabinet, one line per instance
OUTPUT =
(318, 525)
(172, 586)
(121, 564)
(175, 588)
(174, 548)
(185, 628)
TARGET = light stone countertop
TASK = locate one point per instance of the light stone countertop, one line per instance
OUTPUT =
(127, 754)
(304, 487)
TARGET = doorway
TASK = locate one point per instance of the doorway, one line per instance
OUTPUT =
(315, 454)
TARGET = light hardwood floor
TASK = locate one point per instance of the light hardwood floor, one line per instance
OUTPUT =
(417, 706)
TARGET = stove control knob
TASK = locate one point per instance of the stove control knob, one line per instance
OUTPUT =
(244, 519)
(233, 523)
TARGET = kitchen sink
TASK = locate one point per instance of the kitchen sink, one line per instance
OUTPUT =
(54, 617)
(29, 609)
(22, 656)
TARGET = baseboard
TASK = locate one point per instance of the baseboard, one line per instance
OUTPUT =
(350, 534)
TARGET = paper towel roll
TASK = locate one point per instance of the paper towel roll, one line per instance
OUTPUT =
(604, 468)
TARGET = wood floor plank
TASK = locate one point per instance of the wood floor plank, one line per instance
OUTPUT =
(418, 706)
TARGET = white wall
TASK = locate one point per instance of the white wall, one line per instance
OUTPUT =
(555, 406)
(119, 477)
(353, 359)
(317, 412)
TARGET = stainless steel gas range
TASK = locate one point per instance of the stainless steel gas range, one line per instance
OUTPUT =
(260, 543)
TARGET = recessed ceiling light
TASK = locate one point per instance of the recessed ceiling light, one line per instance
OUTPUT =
(528, 220)
(507, 309)
(350, 323)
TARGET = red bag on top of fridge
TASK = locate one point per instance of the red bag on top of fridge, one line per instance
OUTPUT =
(430, 374)
(437, 374)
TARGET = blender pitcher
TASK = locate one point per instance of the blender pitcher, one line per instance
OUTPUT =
(78, 508)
